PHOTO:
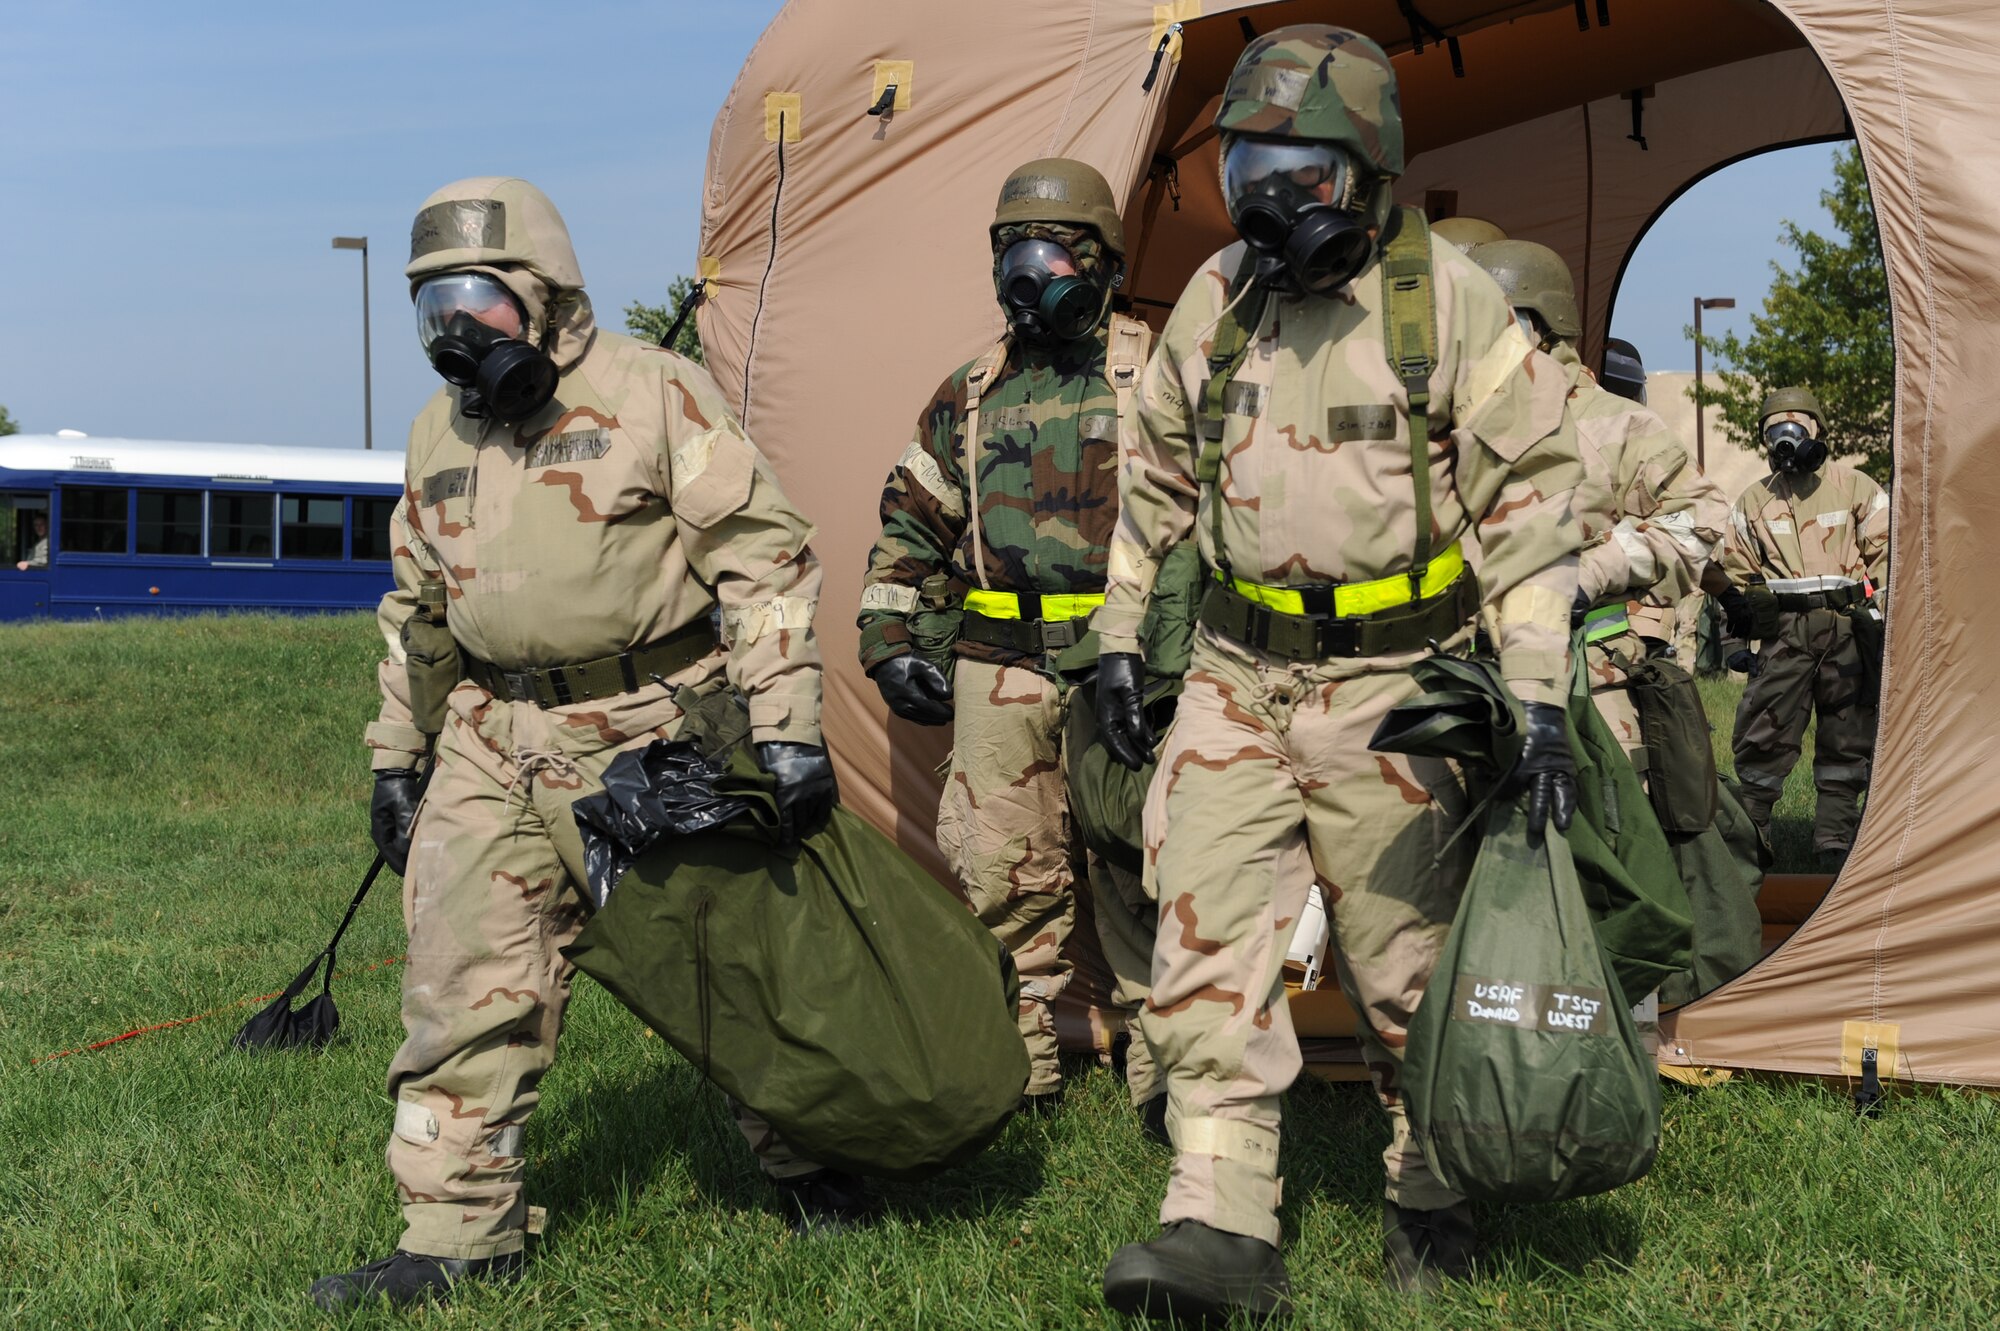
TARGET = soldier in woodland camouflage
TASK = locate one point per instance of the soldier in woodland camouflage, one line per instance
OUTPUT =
(1277, 433)
(1651, 523)
(1807, 548)
(1008, 492)
(577, 505)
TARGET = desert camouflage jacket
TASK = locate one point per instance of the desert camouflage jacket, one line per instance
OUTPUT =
(628, 507)
(1048, 494)
(1316, 459)
(1651, 522)
(1831, 524)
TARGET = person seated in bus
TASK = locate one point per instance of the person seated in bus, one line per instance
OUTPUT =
(38, 557)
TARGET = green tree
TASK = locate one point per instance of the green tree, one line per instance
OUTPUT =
(652, 321)
(1825, 326)
(7, 423)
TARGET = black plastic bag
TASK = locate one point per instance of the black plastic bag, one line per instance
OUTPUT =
(278, 1025)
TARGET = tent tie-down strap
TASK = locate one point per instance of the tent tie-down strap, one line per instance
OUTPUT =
(1159, 56)
(1583, 14)
(1421, 27)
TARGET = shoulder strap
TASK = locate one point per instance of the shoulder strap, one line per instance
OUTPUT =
(983, 372)
(1243, 314)
(1124, 360)
(1410, 338)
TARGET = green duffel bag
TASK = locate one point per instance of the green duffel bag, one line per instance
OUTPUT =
(1723, 868)
(1467, 713)
(1106, 798)
(1524, 1076)
(1680, 754)
(832, 987)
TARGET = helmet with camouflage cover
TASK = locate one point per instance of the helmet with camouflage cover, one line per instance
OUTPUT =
(492, 222)
(1321, 82)
(1800, 400)
(1533, 277)
(1058, 189)
(1462, 233)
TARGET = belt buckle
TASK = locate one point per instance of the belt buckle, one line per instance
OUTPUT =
(520, 684)
(1058, 635)
(1339, 635)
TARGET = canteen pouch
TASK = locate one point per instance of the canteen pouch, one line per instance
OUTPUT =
(430, 658)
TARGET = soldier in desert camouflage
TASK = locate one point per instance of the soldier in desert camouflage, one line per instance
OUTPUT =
(1009, 492)
(1334, 411)
(1807, 546)
(572, 498)
(1651, 522)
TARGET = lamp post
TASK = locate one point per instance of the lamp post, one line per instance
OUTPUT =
(1700, 304)
(361, 242)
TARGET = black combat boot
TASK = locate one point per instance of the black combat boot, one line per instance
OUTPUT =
(1423, 1249)
(1153, 1118)
(827, 1202)
(1193, 1273)
(1831, 861)
(404, 1278)
(1044, 1104)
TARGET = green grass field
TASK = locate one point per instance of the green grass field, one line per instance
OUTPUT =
(185, 812)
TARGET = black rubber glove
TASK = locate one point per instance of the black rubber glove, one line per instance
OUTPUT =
(391, 811)
(1736, 617)
(1121, 709)
(1579, 608)
(1547, 770)
(915, 689)
(806, 790)
(1745, 662)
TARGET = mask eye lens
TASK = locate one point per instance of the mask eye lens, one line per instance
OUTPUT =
(1785, 432)
(476, 296)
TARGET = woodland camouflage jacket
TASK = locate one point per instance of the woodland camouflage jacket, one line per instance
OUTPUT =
(1047, 488)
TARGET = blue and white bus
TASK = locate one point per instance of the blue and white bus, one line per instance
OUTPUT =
(143, 526)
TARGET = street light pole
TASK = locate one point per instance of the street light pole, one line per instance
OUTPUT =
(367, 358)
(1712, 303)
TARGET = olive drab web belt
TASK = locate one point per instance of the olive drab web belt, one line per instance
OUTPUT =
(1028, 622)
(1244, 611)
(1826, 592)
(607, 677)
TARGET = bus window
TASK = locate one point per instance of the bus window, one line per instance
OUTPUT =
(93, 520)
(170, 522)
(239, 525)
(24, 529)
(310, 527)
(371, 527)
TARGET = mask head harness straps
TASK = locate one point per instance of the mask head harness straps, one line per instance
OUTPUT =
(983, 372)
(1410, 338)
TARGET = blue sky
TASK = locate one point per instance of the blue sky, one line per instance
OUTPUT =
(169, 188)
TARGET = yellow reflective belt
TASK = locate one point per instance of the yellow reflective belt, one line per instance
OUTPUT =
(1605, 622)
(1007, 605)
(1360, 598)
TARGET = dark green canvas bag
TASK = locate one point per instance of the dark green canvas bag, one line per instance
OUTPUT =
(1107, 798)
(1524, 1076)
(834, 988)
(1680, 757)
(1466, 713)
(1723, 869)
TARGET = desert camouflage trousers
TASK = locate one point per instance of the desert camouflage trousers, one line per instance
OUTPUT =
(1813, 664)
(491, 896)
(1606, 662)
(1267, 785)
(1005, 831)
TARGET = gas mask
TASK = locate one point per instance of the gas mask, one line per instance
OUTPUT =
(1304, 207)
(1792, 448)
(1047, 299)
(470, 325)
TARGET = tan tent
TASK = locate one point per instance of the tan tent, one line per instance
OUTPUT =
(844, 239)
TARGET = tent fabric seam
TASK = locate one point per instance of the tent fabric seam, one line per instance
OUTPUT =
(764, 285)
(1921, 745)
(1055, 139)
